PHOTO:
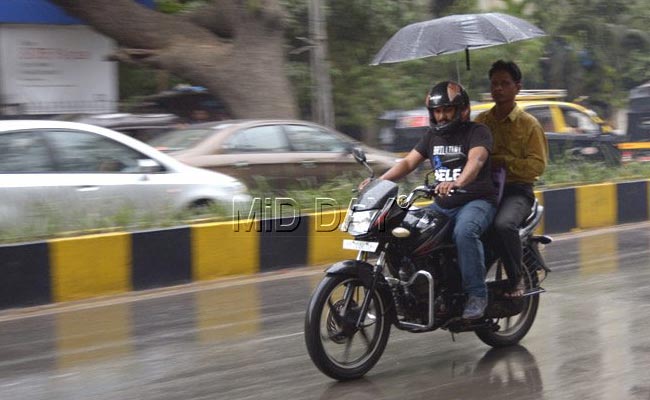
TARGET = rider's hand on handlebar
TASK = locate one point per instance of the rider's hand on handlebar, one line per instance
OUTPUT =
(445, 188)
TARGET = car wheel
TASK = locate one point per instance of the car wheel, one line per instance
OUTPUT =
(201, 207)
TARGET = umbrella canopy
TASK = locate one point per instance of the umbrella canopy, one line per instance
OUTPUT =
(455, 33)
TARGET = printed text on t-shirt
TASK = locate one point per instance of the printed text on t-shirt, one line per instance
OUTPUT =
(439, 150)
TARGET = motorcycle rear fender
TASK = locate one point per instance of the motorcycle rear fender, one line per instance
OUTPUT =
(363, 271)
(543, 239)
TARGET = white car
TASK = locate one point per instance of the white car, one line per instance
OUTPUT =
(58, 170)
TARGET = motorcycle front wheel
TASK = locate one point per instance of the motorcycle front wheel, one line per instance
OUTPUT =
(513, 329)
(339, 349)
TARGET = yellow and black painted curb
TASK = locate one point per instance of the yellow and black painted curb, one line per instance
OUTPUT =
(59, 270)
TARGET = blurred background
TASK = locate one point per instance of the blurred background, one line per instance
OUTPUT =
(595, 50)
(152, 68)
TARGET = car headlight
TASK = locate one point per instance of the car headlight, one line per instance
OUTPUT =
(360, 221)
(240, 196)
(238, 188)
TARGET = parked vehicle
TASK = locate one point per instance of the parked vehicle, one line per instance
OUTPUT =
(554, 115)
(143, 127)
(183, 100)
(401, 130)
(65, 168)
(573, 131)
(406, 275)
(273, 152)
(636, 146)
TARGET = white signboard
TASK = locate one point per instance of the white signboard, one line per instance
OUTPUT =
(51, 69)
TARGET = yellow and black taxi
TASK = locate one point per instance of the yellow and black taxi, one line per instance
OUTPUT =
(554, 115)
(573, 131)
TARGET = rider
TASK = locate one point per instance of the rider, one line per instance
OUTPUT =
(520, 147)
(471, 209)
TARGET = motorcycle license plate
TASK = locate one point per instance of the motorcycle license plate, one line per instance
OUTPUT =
(360, 245)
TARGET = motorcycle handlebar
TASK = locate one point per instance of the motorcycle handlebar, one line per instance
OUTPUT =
(426, 191)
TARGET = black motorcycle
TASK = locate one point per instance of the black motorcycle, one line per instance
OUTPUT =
(406, 275)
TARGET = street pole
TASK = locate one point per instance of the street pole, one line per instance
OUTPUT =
(321, 93)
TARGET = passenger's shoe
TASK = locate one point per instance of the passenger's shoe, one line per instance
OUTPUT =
(474, 307)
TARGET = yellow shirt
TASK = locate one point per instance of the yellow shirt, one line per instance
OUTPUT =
(520, 145)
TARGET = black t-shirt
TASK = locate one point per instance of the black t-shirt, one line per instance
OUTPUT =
(469, 135)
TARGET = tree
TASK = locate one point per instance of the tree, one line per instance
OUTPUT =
(233, 48)
(599, 47)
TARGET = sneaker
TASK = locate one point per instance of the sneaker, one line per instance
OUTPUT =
(474, 307)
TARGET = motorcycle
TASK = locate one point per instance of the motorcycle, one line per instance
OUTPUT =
(406, 275)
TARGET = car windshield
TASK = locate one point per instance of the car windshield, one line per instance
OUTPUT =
(182, 139)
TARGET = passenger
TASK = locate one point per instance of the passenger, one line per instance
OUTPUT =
(521, 149)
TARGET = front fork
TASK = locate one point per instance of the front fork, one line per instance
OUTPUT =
(368, 292)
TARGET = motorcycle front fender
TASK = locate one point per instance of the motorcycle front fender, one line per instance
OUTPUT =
(363, 271)
(355, 268)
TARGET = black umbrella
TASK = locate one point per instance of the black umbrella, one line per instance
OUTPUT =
(455, 33)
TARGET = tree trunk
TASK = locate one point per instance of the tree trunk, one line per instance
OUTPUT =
(322, 106)
(233, 48)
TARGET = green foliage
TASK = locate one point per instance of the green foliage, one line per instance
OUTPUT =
(594, 48)
(169, 6)
(298, 73)
(135, 81)
(254, 6)
(177, 6)
(357, 29)
(567, 173)
(601, 46)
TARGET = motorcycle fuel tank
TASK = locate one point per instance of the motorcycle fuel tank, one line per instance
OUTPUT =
(428, 229)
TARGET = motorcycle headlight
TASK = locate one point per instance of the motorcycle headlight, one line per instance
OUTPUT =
(359, 222)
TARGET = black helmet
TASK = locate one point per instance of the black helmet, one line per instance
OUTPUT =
(447, 93)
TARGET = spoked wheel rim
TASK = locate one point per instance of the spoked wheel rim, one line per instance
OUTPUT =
(343, 344)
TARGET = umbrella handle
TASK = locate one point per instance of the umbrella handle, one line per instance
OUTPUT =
(467, 57)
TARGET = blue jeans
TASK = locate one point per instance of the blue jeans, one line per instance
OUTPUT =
(470, 222)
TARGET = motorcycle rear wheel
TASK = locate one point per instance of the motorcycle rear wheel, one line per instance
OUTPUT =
(513, 329)
(336, 348)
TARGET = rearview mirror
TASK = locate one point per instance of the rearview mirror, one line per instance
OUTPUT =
(359, 155)
(149, 166)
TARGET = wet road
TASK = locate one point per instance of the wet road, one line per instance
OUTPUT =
(242, 339)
